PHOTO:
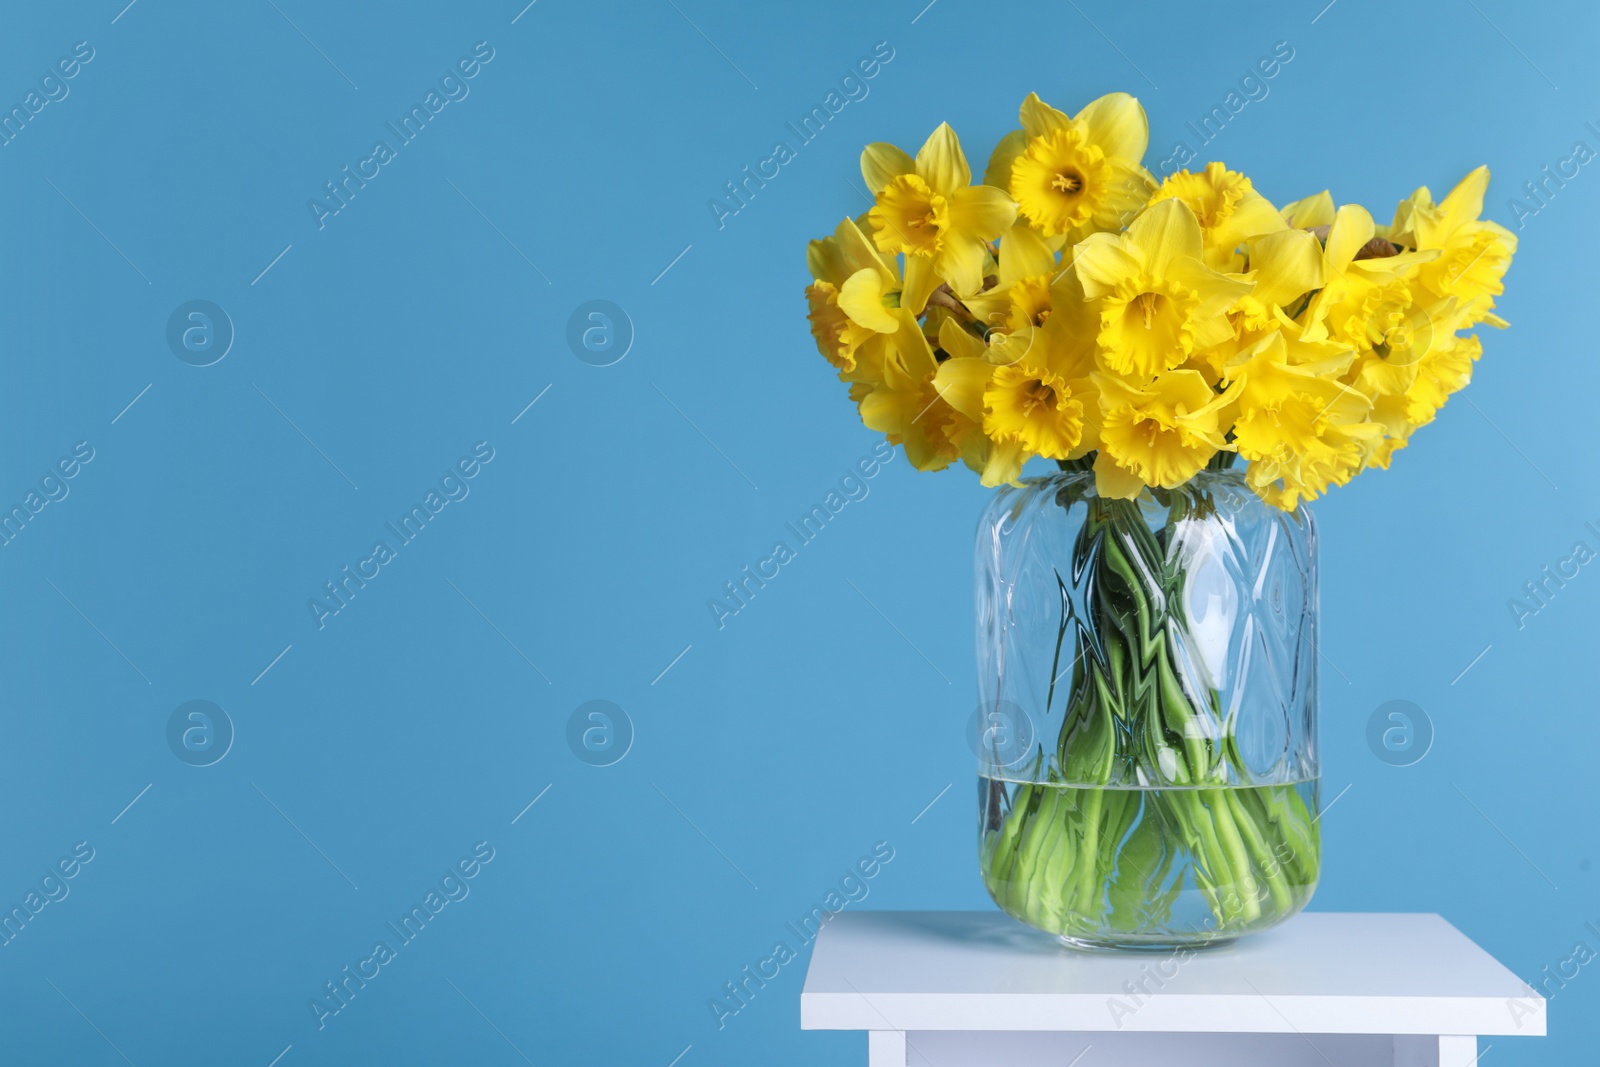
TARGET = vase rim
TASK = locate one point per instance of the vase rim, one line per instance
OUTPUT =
(1226, 474)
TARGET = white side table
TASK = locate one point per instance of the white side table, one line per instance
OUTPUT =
(975, 989)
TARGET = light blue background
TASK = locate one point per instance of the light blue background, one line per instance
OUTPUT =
(820, 720)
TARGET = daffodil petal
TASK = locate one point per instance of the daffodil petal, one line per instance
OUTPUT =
(1039, 118)
(881, 163)
(1253, 216)
(1383, 267)
(1023, 254)
(921, 281)
(941, 163)
(1101, 261)
(861, 297)
(1209, 330)
(1114, 481)
(959, 343)
(1464, 203)
(1085, 391)
(1126, 193)
(881, 411)
(1022, 347)
(834, 259)
(1315, 210)
(1187, 389)
(1005, 464)
(998, 172)
(982, 211)
(1352, 227)
(1167, 230)
(1118, 125)
(975, 451)
(913, 348)
(1069, 346)
(960, 263)
(1221, 290)
(825, 261)
(1287, 265)
(859, 252)
(961, 383)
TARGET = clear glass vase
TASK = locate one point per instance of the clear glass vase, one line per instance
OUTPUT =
(1148, 678)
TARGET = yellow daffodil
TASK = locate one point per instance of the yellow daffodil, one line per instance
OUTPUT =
(1228, 208)
(1070, 333)
(1390, 367)
(928, 209)
(1158, 302)
(1071, 308)
(1285, 266)
(836, 335)
(1445, 369)
(1034, 412)
(1389, 413)
(1074, 176)
(905, 405)
(1023, 399)
(851, 299)
(1442, 370)
(1022, 296)
(1374, 304)
(1311, 212)
(1300, 431)
(1162, 435)
(1363, 293)
(1473, 253)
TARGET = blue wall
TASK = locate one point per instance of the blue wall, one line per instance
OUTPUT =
(375, 748)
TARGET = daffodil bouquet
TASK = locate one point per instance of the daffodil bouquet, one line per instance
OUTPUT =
(1072, 307)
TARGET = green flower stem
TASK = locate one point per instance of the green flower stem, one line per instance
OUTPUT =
(1038, 836)
(1055, 861)
(1089, 868)
(1260, 852)
(1024, 814)
(1206, 844)
(1141, 867)
(1286, 811)
(1215, 803)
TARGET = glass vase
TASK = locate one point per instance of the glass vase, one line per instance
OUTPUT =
(1147, 672)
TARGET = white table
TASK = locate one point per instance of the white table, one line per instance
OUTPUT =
(972, 989)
